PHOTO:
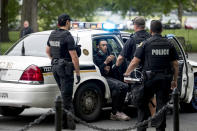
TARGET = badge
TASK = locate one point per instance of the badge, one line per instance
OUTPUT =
(85, 52)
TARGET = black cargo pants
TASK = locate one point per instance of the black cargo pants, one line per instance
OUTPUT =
(160, 85)
(65, 83)
(118, 91)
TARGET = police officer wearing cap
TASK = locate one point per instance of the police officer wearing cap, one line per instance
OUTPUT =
(61, 49)
(130, 46)
(159, 58)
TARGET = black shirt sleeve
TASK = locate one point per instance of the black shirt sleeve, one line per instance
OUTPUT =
(173, 53)
(70, 41)
(140, 51)
(48, 43)
(128, 49)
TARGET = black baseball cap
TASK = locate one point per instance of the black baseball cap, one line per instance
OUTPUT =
(139, 20)
(62, 19)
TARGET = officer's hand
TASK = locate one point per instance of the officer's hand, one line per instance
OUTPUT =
(173, 84)
(78, 79)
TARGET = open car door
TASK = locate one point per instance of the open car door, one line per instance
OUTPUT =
(186, 76)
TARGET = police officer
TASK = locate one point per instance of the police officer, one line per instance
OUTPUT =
(130, 46)
(118, 89)
(159, 57)
(60, 48)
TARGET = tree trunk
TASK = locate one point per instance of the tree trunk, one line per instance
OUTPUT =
(180, 11)
(4, 21)
(29, 13)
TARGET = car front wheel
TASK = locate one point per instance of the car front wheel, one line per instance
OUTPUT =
(88, 102)
(10, 111)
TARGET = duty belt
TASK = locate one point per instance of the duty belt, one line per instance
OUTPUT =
(59, 60)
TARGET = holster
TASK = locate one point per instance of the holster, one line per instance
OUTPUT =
(68, 66)
(149, 75)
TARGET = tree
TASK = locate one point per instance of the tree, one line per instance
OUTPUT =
(149, 7)
(4, 21)
(13, 13)
(29, 13)
(77, 9)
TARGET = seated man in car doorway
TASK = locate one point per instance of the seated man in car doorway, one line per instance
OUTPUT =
(118, 89)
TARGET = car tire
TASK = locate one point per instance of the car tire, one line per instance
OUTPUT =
(10, 111)
(88, 102)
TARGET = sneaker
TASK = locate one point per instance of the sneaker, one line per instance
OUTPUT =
(71, 123)
(124, 116)
(119, 116)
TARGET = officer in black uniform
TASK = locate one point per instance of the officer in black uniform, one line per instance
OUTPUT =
(118, 89)
(159, 57)
(61, 49)
(130, 46)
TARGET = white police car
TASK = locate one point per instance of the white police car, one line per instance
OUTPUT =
(26, 79)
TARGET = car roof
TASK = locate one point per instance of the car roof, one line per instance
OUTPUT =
(77, 32)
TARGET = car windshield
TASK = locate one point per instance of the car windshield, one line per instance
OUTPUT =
(32, 45)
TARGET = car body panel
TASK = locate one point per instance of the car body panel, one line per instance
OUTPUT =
(14, 92)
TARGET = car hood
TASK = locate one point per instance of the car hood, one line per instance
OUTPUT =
(22, 62)
(192, 63)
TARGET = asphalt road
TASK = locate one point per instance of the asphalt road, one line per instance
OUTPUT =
(187, 122)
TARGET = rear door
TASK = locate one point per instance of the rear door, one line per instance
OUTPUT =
(186, 76)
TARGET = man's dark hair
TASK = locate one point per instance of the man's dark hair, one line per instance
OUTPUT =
(156, 26)
(62, 19)
(101, 40)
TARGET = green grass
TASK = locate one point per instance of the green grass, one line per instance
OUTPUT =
(13, 36)
(189, 35)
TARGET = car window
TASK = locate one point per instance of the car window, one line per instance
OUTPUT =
(34, 45)
(113, 45)
(177, 48)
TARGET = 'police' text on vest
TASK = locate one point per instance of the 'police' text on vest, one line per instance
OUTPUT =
(160, 51)
(54, 43)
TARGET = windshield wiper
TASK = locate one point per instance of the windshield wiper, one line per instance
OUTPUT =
(23, 49)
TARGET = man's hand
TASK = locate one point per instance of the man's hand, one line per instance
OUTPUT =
(173, 84)
(78, 79)
(107, 69)
(109, 59)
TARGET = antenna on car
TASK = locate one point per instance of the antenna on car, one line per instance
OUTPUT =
(77, 41)
(23, 49)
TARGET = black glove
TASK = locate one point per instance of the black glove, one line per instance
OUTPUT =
(78, 79)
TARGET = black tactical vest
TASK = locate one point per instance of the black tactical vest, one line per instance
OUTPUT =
(58, 47)
(140, 37)
(157, 54)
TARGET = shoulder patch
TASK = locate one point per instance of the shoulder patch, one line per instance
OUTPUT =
(140, 44)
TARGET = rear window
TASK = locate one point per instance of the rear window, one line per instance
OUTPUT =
(32, 45)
